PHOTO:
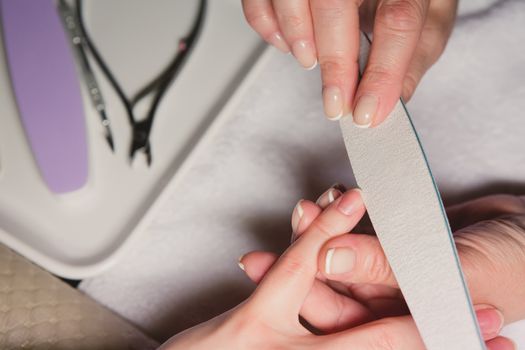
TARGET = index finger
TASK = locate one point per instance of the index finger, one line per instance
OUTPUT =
(285, 287)
(336, 26)
(397, 28)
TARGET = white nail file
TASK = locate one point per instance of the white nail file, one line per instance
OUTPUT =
(407, 213)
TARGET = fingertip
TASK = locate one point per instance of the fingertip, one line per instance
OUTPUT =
(328, 197)
(304, 213)
(365, 110)
(261, 17)
(240, 263)
(501, 343)
(276, 40)
(355, 258)
(351, 203)
(255, 264)
(490, 320)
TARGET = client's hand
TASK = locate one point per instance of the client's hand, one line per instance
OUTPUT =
(491, 243)
(269, 319)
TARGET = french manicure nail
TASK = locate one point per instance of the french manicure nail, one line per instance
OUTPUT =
(339, 260)
(276, 39)
(365, 110)
(333, 102)
(239, 262)
(297, 214)
(328, 197)
(304, 52)
(350, 201)
(490, 321)
(341, 188)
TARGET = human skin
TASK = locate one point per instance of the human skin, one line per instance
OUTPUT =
(490, 238)
(269, 318)
(408, 37)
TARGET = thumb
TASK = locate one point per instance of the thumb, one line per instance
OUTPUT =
(356, 258)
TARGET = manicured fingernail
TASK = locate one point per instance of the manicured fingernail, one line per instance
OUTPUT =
(341, 188)
(304, 52)
(490, 322)
(365, 110)
(277, 40)
(328, 197)
(297, 214)
(333, 102)
(339, 260)
(350, 201)
(239, 262)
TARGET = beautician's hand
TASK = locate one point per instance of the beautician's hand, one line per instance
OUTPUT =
(269, 319)
(490, 238)
(409, 36)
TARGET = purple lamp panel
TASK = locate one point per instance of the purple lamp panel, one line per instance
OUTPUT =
(46, 86)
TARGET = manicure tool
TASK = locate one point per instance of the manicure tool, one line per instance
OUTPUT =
(47, 92)
(80, 46)
(407, 213)
(141, 129)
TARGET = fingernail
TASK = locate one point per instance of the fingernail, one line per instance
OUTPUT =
(333, 102)
(365, 110)
(502, 343)
(239, 262)
(350, 201)
(328, 197)
(296, 216)
(490, 322)
(341, 188)
(339, 260)
(277, 40)
(304, 52)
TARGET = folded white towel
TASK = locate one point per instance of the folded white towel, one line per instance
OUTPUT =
(277, 148)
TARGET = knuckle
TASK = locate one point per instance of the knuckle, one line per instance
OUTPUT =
(294, 264)
(378, 269)
(401, 15)
(293, 21)
(378, 75)
(330, 12)
(322, 229)
(334, 66)
(258, 19)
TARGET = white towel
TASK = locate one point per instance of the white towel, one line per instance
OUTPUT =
(276, 148)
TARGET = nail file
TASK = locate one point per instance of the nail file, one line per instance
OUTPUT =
(47, 91)
(407, 213)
